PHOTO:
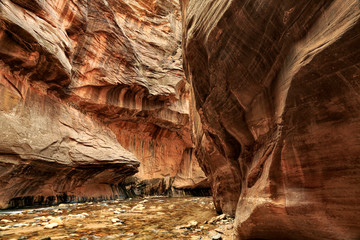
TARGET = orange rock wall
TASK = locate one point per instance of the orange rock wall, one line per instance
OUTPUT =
(116, 63)
(276, 118)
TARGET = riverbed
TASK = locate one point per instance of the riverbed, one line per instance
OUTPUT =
(140, 218)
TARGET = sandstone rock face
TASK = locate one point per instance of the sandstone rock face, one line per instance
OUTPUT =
(276, 117)
(51, 150)
(69, 69)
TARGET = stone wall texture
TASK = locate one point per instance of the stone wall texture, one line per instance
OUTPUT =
(87, 85)
(276, 116)
(258, 99)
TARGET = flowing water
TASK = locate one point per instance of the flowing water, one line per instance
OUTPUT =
(148, 218)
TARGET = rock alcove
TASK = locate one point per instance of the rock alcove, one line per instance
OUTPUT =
(254, 102)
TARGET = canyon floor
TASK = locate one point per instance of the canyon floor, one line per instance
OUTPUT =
(144, 218)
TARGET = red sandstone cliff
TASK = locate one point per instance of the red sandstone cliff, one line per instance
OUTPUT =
(277, 118)
(72, 69)
(272, 91)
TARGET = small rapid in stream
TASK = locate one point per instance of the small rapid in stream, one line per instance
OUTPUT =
(140, 218)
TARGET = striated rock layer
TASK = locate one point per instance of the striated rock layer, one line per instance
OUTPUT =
(69, 69)
(276, 117)
(50, 152)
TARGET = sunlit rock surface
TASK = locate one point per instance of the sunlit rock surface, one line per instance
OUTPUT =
(72, 69)
(276, 115)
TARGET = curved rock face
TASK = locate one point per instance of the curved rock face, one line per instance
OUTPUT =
(71, 68)
(277, 117)
(51, 152)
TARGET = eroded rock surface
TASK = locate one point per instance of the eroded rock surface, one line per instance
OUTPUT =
(71, 68)
(50, 150)
(277, 117)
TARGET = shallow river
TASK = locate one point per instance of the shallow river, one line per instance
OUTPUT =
(148, 218)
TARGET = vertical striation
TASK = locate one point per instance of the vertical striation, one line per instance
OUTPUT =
(275, 116)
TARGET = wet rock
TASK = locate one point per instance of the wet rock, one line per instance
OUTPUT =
(217, 219)
(5, 221)
(84, 238)
(108, 238)
(51, 225)
(57, 220)
(20, 225)
(28, 211)
(5, 228)
(22, 237)
(117, 221)
(138, 208)
(193, 223)
(190, 224)
(45, 238)
(216, 237)
(76, 216)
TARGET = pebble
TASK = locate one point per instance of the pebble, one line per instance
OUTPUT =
(84, 238)
(195, 237)
(76, 216)
(22, 237)
(229, 227)
(20, 225)
(57, 220)
(193, 223)
(216, 237)
(51, 225)
(138, 207)
(4, 228)
(29, 211)
(216, 219)
(5, 221)
(115, 220)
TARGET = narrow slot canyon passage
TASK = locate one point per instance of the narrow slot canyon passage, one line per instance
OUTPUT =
(180, 119)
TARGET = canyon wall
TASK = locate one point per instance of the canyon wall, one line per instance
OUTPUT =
(276, 113)
(89, 90)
